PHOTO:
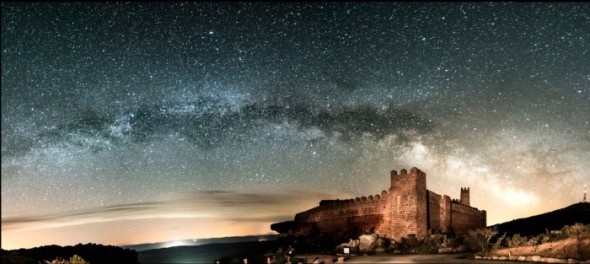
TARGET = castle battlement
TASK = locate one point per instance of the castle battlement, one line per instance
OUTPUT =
(407, 208)
(458, 203)
(360, 199)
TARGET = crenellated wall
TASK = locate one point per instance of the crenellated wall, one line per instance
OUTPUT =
(362, 213)
(407, 208)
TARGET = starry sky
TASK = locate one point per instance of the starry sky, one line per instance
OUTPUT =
(128, 123)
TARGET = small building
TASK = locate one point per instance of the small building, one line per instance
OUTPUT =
(407, 208)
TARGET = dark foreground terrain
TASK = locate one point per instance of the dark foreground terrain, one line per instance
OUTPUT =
(227, 253)
(438, 258)
(93, 253)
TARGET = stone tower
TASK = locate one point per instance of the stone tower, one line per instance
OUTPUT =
(464, 196)
(408, 203)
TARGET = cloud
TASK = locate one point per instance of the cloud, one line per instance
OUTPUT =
(222, 205)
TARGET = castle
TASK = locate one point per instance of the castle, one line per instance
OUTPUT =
(407, 208)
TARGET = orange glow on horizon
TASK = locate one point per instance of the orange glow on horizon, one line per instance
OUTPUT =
(130, 232)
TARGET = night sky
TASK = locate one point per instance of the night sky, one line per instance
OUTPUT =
(129, 123)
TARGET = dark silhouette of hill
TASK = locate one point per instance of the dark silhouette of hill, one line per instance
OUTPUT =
(555, 220)
(93, 253)
(201, 241)
(254, 251)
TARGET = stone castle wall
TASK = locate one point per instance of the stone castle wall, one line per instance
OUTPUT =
(362, 213)
(435, 213)
(464, 217)
(444, 212)
(407, 208)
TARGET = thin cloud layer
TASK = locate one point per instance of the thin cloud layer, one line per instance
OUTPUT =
(210, 205)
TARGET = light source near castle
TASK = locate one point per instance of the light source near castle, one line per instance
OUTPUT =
(406, 208)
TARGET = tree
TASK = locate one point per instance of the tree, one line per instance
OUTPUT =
(516, 240)
(479, 239)
(499, 241)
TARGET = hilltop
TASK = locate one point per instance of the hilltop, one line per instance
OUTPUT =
(554, 220)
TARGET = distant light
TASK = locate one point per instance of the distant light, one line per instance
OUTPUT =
(177, 243)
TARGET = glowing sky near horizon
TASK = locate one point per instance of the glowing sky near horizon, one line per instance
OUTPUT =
(128, 123)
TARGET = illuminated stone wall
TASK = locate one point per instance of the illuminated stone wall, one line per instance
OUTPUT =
(407, 208)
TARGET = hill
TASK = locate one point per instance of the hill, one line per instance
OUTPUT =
(226, 252)
(93, 253)
(200, 242)
(555, 220)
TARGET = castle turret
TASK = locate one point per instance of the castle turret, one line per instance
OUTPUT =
(464, 196)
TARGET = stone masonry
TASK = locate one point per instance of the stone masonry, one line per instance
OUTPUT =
(406, 208)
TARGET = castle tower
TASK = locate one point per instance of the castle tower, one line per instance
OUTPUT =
(445, 212)
(408, 204)
(585, 192)
(464, 196)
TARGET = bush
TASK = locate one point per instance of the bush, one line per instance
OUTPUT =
(479, 240)
(431, 244)
(576, 230)
(409, 244)
(457, 241)
(516, 240)
(75, 259)
(57, 261)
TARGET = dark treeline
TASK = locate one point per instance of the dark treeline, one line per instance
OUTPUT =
(93, 253)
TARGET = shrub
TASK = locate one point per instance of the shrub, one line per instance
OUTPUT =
(576, 230)
(479, 239)
(409, 244)
(516, 240)
(57, 261)
(431, 244)
(75, 259)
